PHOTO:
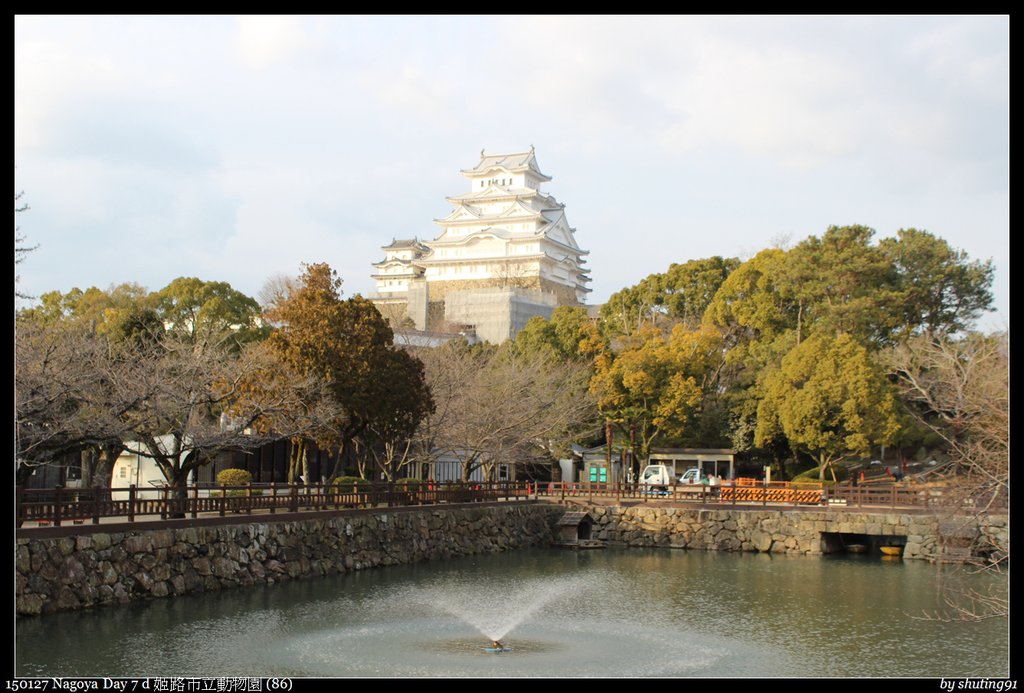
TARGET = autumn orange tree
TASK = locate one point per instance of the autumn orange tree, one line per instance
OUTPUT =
(348, 343)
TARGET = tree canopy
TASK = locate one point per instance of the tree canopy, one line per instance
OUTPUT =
(652, 387)
(349, 344)
(940, 289)
(191, 306)
(829, 399)
(681, 294)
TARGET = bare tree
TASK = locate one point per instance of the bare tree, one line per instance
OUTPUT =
(20, 248)
(959, 388)
(511, 274)
(196, 401)
(496, 406)
(177, 401)
(275, 291)
(54, 377)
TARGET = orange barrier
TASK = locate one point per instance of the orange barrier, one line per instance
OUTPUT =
(759, 494)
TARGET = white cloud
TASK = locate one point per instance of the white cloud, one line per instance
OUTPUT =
(780, 102)
(971, 55)
(262, 40)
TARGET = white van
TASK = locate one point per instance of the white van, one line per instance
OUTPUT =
(658, 477)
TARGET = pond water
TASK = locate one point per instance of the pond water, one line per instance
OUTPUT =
(608, 613)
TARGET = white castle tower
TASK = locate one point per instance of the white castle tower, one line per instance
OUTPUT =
(504, 254)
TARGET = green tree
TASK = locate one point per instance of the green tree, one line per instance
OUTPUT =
(400, 400)
(559, 337)
(755, 301)
(653, 386)
(842, 284)
(689, 288)
(629, 309)
(829, 399)
(189, 306)
(940, 289)
(119, 312)
(681, 294)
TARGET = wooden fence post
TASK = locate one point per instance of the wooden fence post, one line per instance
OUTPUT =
(19, 510)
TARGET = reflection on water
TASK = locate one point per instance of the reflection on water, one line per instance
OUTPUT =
(603, 613)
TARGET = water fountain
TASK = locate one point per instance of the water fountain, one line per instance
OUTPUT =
(496, 610)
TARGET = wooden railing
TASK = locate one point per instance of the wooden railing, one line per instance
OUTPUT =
(62, 505)
(782, 493)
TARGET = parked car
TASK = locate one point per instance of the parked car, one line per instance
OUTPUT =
(690, 476)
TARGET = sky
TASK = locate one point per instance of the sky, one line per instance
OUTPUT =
(238, 148)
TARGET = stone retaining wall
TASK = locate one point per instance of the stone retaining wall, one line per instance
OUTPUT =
(791, 531)
(102, 568)
(94, 568)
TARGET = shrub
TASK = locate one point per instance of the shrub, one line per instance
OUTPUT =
(411, 483)
(349, 484)
(233, 477)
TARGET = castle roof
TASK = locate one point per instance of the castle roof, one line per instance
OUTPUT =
(402, 243)
(521, 161)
